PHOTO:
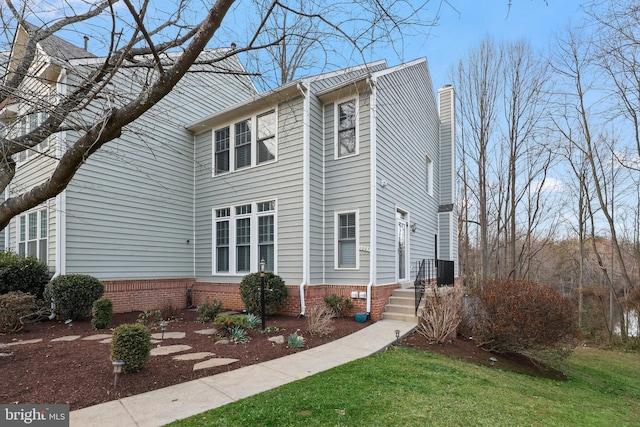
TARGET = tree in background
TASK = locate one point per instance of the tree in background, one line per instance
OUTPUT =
(159, 43)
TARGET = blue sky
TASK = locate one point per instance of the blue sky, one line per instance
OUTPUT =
(474, 19)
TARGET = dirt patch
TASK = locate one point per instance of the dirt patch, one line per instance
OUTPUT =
(79, 372)
(467, 350)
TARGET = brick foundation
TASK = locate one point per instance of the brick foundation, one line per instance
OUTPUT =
(151, 294)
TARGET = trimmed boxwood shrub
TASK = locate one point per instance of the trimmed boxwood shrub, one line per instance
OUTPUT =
(74, 294)
(131, 343)
(275, 293)
(22, 274)
(102, 312)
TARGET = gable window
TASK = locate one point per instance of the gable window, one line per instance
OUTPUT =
(346, 240)
(346, 129)
(250, 229)
(243, 144)
(266, 138)
(32, 234)
(222, 150)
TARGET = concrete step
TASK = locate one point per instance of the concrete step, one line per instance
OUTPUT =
(400, 308)
(401, 317)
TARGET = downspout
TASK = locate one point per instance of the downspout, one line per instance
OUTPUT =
(305, 196)
(373, 183)
(61, 203)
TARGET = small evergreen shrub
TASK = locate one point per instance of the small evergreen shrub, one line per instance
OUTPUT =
(338, 304)
(524, 317)
(226, 321)
(296, 341)
(275, 293)
(207, 311)
(22, 274)
(102, 312)
(131, 343)
(16, 309)
(74, 294)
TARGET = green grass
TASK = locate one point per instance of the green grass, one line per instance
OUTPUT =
(406, 387)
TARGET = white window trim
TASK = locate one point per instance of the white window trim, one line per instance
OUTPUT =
(336, 237)
(336, 118)
(38, 211)
(233, 267)
(254, 142)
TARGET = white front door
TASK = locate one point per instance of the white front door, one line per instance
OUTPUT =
(402, 262)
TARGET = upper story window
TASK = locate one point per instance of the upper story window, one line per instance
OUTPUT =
(253, 141)
(25, 125)
(221, 142)
(346, 134)
(266, 137)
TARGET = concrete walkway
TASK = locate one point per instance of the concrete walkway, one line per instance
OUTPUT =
(159, 407)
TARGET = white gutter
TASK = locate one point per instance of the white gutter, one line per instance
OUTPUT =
(306, 203)
(193, 208)
(373, 182)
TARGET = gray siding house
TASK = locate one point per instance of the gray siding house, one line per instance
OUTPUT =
(342, 182)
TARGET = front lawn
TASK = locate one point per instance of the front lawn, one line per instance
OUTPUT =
(409, 387)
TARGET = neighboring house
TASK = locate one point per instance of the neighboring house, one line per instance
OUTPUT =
(342, 182)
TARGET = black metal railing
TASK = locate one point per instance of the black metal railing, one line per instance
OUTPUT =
(424, 275)
(429, 271)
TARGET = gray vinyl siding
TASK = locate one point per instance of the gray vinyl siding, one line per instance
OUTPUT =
(316, 190)
(447, 151)
(280, 180)
(29, 173)
(331, 80)
(407, 131)
(130, 207)
(347, 189)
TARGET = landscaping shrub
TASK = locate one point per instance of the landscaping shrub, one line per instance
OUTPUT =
(275, 293)
(102, 312)
(524, 317)
(22, 274)
(74, 294)
(226, 321)
(207, 311)
(16, 309)
(338, 304)
(319, 320)
(441, 315)
(131, 343)
(168, 311)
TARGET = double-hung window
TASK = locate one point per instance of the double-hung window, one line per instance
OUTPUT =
(266, 233)
(32, 234)
(266, 138)
(222, 240)
(221, 142)
(242, 236)
(346, 240)
(346, 128)
(248, 142)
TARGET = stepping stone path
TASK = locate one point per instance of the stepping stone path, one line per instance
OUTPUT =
(160, 350)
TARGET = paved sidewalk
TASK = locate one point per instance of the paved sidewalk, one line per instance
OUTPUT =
(159, 407)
